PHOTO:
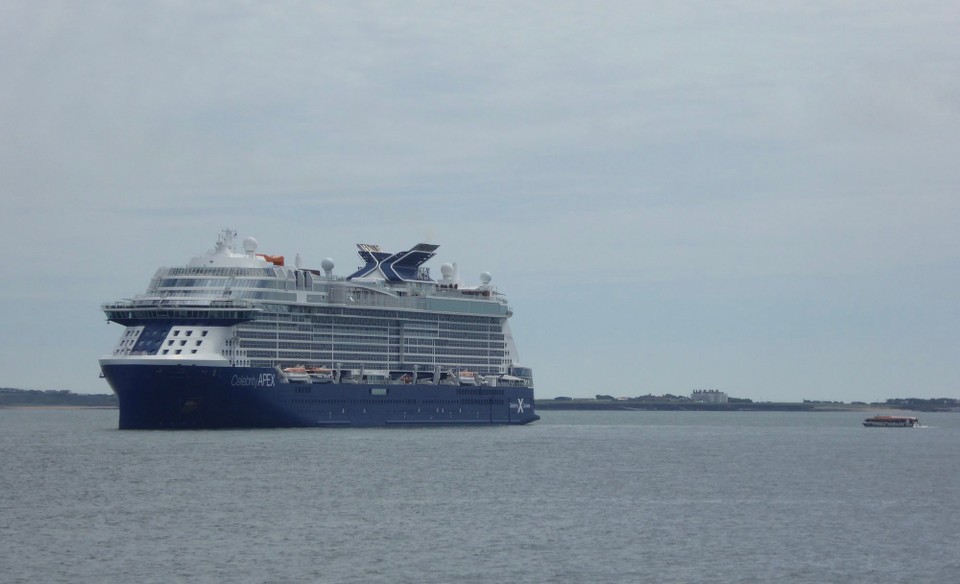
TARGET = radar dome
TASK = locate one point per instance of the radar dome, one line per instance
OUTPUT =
(446, 270)
(485, 278)
(249, 245)
(327, 265)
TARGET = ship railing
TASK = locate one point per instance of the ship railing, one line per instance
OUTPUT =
(134, 311)
(381, 301)
(216, 303)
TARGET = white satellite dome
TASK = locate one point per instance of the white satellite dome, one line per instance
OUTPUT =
(446, 270)
(485, 278)
(249, 244)
(327, 265)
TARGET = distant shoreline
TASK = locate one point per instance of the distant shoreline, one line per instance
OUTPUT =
(673, 406)
(55, 407)
(11, 398)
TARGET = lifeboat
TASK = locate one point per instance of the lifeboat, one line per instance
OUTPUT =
(320, 374)
(467, 378)
(296, 374)
(275, 260)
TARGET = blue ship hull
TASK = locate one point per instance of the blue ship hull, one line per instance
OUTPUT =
(167, 396)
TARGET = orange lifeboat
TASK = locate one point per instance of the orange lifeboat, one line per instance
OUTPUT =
(275, 260)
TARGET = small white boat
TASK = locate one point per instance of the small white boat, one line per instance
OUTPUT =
(320, 374)
(892, 422)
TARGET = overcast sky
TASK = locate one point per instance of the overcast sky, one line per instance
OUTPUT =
(756, 197)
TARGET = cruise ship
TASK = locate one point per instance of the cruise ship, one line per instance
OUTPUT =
(240, 339)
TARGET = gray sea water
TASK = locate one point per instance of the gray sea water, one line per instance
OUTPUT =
(578, 497)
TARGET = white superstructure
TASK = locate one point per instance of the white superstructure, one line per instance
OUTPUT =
(235, 307)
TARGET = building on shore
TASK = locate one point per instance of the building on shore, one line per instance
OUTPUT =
(709, 396)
